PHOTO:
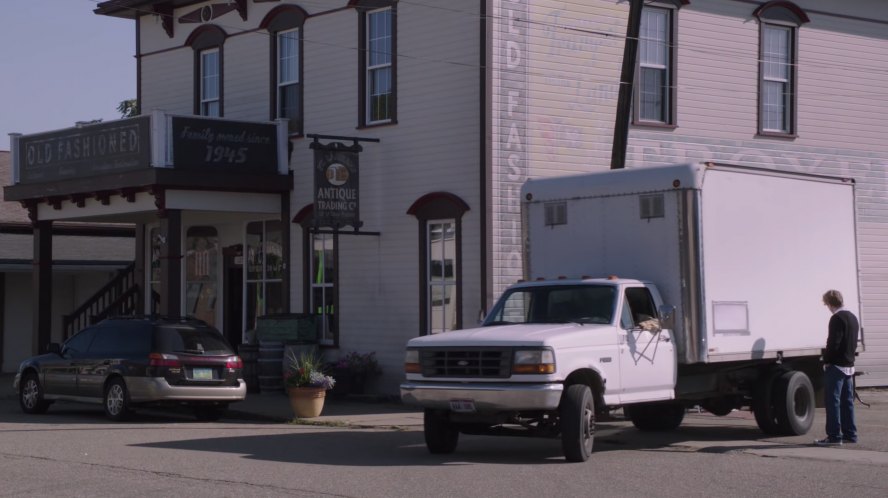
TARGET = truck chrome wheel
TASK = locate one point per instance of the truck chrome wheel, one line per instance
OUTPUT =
(577, 418)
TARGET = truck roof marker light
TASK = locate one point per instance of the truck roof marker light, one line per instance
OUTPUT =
(586, 277)
(612, 277)
(540, 279)
(562, 277)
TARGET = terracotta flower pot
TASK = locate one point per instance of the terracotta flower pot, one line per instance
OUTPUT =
(307, 402)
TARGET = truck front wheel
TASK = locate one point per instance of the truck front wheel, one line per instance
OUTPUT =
(577, 414)
(441, 435)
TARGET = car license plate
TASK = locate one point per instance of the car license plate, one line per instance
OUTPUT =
(462, 405)
(202, 374)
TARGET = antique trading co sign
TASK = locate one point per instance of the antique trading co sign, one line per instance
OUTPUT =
(336, 185)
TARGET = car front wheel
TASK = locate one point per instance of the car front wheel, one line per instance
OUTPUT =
(31, 395)
(117, 400)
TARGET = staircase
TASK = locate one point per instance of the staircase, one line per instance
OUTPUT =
(120, 296)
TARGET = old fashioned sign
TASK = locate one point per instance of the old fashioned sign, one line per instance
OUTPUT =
(336, 198)
(90, 150)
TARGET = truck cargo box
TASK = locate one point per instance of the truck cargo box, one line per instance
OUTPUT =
(744, 254)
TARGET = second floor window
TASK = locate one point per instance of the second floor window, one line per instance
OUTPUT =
(655, 93)
(777, 75)
(379, 74)
(209, 83)
(289, 91)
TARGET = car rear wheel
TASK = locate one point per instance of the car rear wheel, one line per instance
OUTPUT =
(31, 395)
(117, 400)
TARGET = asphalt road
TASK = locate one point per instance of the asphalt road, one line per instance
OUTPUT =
(74, 451)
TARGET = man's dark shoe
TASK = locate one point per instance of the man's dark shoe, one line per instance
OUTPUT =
(848, 440)
(828, 441)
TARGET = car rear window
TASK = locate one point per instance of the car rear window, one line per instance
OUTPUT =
(191, 340)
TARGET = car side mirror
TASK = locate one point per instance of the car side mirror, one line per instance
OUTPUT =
(667, 316)
(55, 348)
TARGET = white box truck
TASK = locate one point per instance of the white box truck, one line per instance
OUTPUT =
(652, 290)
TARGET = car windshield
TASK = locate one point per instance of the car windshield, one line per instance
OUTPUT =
(555, 304)
(191, 340)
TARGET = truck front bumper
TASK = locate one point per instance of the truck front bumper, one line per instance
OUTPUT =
(484, 397)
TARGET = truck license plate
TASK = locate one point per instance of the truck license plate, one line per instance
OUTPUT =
(462, 405)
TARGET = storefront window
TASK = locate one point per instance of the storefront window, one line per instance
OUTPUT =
(154, 274)
(323, 276)
(441, 281)
(264, 269)
(201, 274)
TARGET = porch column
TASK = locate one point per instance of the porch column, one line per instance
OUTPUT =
(42, 287)
(171, 263)
(139, 270)
(285, 238)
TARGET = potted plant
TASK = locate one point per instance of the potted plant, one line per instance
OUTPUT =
(354, 369)
(307, 384)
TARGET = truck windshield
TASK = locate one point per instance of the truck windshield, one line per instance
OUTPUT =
(555, 304)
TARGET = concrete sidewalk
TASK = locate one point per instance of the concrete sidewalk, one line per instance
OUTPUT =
(353, 411)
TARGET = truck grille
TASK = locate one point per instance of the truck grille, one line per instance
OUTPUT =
(490, 363)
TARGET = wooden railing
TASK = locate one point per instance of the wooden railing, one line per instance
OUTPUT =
(120, 296)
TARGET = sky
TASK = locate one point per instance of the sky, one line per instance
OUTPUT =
(60, 63)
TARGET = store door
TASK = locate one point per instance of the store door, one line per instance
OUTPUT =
(234, 286)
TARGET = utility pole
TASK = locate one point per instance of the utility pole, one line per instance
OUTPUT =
(627, 84)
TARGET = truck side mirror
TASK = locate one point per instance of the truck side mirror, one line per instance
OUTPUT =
(667, 316)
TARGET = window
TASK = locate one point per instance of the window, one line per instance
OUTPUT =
(655, 89)
(441, 281)
(777, 76)
(440, 240)
(289, 89)
(323, 285)
(284, 24)
(79, 343)
(210, 104)
(378, 64)
(156, 242)
(778, 56)
(264, 270)
(201, 288)
(638, 307)
(206, 41)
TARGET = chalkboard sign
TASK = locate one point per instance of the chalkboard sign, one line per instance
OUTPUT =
(293, 327)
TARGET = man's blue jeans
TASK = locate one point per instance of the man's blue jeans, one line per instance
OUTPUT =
(838, 394)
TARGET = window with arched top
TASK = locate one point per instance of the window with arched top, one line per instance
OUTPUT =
(284, 23)
(655, 90)
(779, 23)
(321, 285)
(440, 270)
(378, 60)
(207, 42)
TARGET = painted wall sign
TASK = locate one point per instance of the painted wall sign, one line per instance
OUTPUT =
(89, 150)
(336, 193)
(224, 145)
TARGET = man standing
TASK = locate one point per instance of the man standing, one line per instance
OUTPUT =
(838, 372)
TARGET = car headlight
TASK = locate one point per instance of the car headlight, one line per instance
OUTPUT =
(533, 361)
(411, 361)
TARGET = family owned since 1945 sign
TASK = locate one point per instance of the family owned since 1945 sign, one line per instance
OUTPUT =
(224, 145)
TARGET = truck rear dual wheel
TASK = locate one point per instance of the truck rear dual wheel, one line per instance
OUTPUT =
(655, 417)
(783, 404)
(441, 435)
(577, 419)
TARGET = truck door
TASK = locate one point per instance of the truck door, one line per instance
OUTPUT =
(647, 354)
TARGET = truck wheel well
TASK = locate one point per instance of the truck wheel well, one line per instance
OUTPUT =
(590, 378)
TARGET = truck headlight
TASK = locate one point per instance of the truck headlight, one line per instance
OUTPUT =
(533, 361)
(411, 362)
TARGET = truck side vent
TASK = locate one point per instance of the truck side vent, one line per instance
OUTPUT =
(651, 206)
(466, 363)
(556, 213)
